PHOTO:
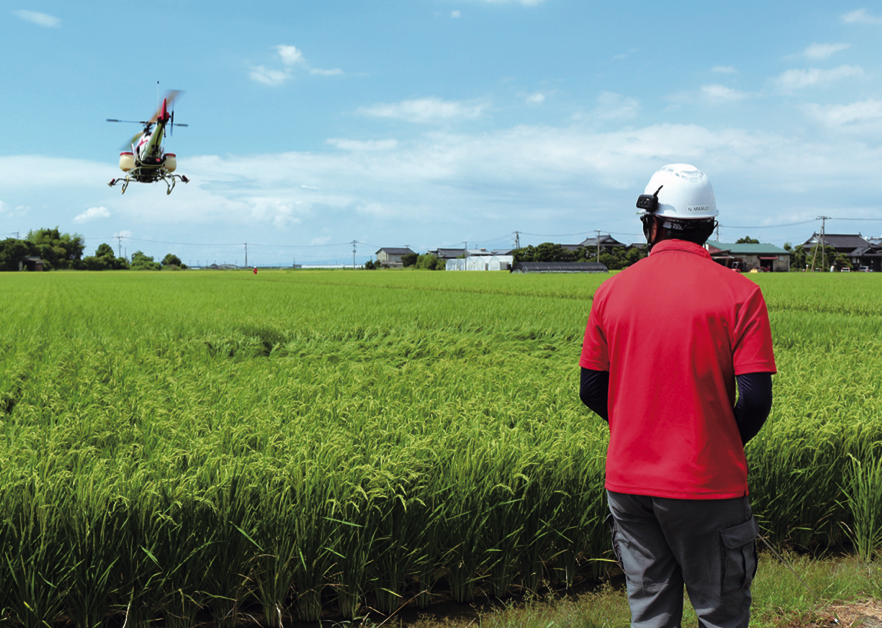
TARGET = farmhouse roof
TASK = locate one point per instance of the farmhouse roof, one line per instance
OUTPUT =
(395, 251)
(839, 241)
(605, 240)
(713, 247)
(442, 253)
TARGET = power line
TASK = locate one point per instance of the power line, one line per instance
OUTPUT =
(789, 224)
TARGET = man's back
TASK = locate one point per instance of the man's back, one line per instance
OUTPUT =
(673, 331)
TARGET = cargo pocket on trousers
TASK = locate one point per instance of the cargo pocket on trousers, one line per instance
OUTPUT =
(614, 535)
(739, 555)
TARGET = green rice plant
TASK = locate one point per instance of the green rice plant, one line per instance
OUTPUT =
(95, 542)
(315, 560)
(402, 522)
(233, 520)
(369, 436)
(863, 495)
(276, 544)
(137, 569)
(184, 553)
(38, 569)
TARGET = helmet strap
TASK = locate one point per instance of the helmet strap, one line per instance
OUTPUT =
(650, 221)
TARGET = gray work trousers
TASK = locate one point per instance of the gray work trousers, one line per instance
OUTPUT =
(708, 545)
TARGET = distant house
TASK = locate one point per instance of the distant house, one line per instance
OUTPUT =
(559, 267)
(390, 256)
(747, 257)
(861, 253)
(446, 254)
(31, 264)
(481, 262)
(606, 242)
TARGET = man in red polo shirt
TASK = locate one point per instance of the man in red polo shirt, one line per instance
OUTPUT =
(665, 343)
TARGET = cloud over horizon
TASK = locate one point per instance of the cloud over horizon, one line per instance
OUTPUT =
(424, 110)
(800, 79)
(290, 57)
(40, 19)
(92, 213)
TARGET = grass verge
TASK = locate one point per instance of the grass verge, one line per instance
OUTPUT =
(831, 591)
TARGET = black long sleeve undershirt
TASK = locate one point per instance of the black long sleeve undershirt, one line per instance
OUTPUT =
(751, 410)
(594, 392)
(754, 403)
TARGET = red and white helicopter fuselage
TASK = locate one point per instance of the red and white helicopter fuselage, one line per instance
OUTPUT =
(147, 161)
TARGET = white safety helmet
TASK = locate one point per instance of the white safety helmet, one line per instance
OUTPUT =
(679, 191)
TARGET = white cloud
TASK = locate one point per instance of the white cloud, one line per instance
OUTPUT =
(536, 99)
(92, 213)
(861, 16)
(290, 57)
(269, 76)
(823, 51)
(714, 94)
(334, 72)
(857, 115)
(445, 187)
(356, 145)
(40, 19)
(800, 79)
(424, 110)
(455, 14)
(289, 54)
(612, 106)
(720, 94)
(724, 69)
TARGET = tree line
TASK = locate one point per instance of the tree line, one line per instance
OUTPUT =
(63, 251)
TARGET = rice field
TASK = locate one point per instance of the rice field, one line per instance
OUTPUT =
(294, 445)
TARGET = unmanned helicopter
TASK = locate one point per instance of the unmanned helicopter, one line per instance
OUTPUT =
(147, 161)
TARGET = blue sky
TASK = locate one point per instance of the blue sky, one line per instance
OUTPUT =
(431, 123)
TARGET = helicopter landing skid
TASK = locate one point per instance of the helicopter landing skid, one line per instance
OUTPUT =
(125, 183)
(170, 180)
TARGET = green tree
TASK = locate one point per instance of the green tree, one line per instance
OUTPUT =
(58, 250)
(430, 262)
(409, 260)
(12, 251)
(619, 257)
(747, 240)
(143, 262)
(172, 260)
(104, 260)
(801, 258)
(545, 252)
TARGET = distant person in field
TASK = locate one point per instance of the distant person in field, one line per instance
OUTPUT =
(666, 341)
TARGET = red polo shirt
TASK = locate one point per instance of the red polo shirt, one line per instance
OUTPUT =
(674, 330)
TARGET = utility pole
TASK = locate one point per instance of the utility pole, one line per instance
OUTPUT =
(354, 242)
(597, 231)
(119, 246)
(246, 255)
(820, 244)
(465, 248)
(517, 240)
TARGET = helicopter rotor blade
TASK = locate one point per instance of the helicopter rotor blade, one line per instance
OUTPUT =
(169, 99)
